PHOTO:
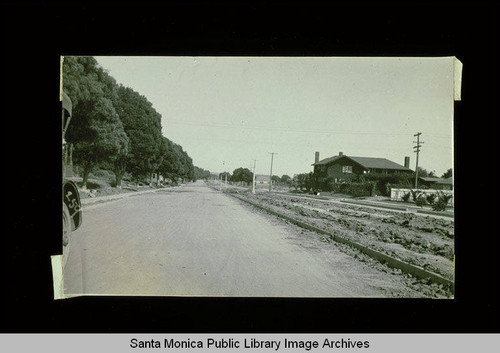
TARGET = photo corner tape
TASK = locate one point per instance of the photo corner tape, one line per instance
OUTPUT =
(457, 69)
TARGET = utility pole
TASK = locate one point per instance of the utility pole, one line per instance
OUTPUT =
(271, 172)
(417, 150)
(225, 174)
(223, 162)
(253, 178)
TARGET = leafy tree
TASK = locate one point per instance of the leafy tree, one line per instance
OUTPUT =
(276, 179)
(447, 174)
(242, 174)
(119, 157)
(95, 129)
(303, 181)
(286, 180)
(200, 173)
(223, 176)
(115, 126)
(142, 124)
(423, 173)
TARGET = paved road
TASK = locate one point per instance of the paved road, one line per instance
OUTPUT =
(195, 241)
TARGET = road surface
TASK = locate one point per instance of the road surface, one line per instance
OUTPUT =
(195, 241)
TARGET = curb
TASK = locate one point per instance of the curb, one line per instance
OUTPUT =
(396, 208)
(101, 199)
(414, 270)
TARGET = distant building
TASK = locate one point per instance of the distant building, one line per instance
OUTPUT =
(445, 184)
(436, 183)
(261, 179)
(343, 168)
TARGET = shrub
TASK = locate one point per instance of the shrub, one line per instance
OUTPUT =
(445, 197)
(439, 205)
(415, 194)
(330, 184)
(442, 202)
(406, 197)
(420, 201)
(357, 189)
(385, 181)
(102, 174)
(430, 198)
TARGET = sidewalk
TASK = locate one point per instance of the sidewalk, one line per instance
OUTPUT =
(98, 199)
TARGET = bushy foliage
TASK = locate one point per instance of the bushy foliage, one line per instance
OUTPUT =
(102, 174)
(117, 126)
(421, 201)
(447, 174)
(201, 174)
(431, 198)
(353, 188)
(442, 201)
(95, 130)
(302, 181)
(384, 182)
(406, 197)
(242, 174)
(286, 180)
(415, 194)
(225, 175)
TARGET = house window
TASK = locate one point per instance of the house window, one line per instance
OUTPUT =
(347, 169)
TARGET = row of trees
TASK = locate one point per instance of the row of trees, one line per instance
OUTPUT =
(115, 126)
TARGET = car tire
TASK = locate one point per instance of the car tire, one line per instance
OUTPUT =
(66, 225)
(67, 230)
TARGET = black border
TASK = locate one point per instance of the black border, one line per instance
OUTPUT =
(33, 38)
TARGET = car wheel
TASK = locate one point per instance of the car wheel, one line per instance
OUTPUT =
(66, 225)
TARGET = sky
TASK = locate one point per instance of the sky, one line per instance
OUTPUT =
(227, 112)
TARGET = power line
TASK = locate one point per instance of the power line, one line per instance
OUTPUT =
(321, 131)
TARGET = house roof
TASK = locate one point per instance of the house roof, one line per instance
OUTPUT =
(430, 179)
(446, 181)
(366, 162)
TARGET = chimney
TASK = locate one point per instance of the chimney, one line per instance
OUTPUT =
(341, 153)
(407, 162)
(316, 157)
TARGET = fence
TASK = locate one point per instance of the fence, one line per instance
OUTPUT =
(397, 194)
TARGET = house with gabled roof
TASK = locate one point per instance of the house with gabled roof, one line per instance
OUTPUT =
(343, 168)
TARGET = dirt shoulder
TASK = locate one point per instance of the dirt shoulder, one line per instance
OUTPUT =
(421, 240)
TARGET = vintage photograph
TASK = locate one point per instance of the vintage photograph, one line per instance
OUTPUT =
(321, 177)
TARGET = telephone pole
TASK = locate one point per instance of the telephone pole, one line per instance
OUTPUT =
(225, 177)
(271, 172)
(253, 178)
(223, 163)
(417, 150)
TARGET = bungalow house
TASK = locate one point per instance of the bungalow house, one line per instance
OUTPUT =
(261, 179)
(445, 184)
(436, 183)
(343, 168)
